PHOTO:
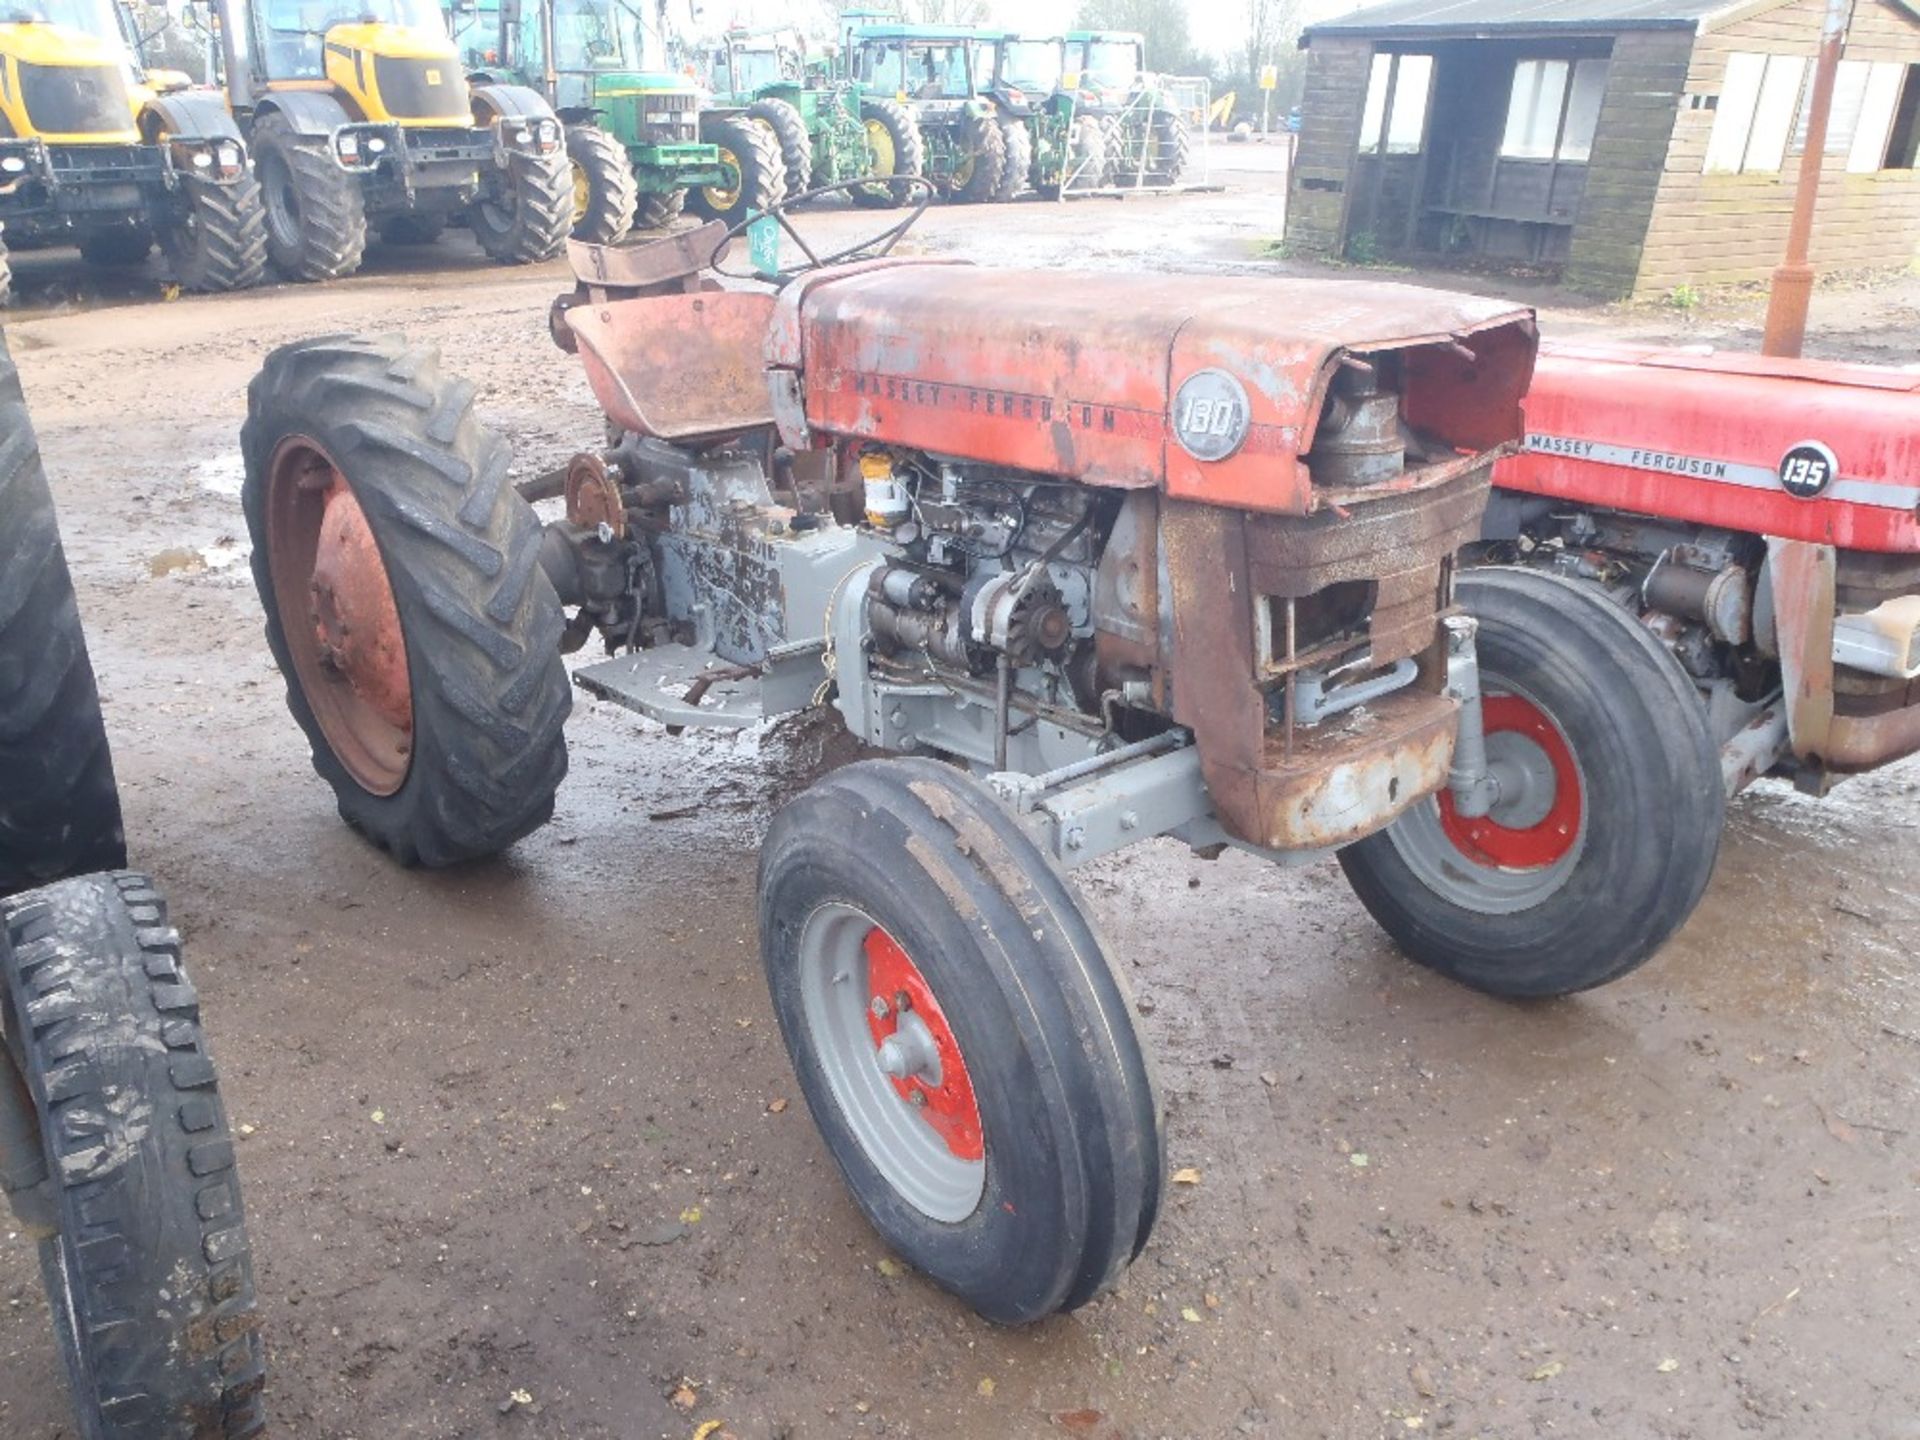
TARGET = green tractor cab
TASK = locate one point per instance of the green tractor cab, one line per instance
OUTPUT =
(826, 133)
(1145, 137)
(1064, 150)
(633, 127)
(938, 74)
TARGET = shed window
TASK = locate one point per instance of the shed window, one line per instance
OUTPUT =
(1758, 102)
(1903, 147)
(1394, 120)
(1553, 109)
(1867, 101)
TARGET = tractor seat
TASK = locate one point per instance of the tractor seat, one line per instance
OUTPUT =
(681, 368)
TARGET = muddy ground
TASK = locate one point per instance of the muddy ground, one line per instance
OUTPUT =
(517, 1128)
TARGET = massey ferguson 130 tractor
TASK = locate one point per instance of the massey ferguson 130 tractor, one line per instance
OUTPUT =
(1100, 558)
(115, 1158)
(93, 154)
(1759, 515)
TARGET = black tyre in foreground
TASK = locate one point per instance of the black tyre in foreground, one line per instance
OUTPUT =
(405, 604)
(895, 148)
(316, 213)
(525, 211)
(1609, 818)
(605, 194)
(220, 243)
(966, 1050)
(134, 1196)
(59, 809)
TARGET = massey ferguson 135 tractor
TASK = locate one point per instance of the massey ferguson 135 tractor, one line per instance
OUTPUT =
(115, 1158)
(1101, 558)
(1759, 515)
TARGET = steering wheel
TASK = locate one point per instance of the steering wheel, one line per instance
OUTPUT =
(872, 248)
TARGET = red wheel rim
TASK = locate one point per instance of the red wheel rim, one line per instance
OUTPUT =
(1485, 840)
(896, 991)
(338, 615)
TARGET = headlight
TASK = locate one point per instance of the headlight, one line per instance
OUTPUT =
(347, 147)
(202, 160)
(13, 165)
(375, 145)
(229, 157)
(522, 135)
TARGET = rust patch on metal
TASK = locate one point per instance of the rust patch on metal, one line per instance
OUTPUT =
(593, 499)
(679, 367)
(1802, 577)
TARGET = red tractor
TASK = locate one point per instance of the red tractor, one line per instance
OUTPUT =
(1101, 558)
(1762, 518)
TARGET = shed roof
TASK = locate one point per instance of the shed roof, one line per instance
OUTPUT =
(1519, 17)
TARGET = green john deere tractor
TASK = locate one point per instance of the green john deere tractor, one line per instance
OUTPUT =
(938, 74)
(1051, 145)
(1145, 135)
(826, 132)
(633, 130)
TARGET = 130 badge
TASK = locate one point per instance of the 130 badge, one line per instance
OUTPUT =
(1808, 469)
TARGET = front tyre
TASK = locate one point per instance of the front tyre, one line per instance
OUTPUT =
(895, 149)
(316, 213)
(219, 243)
(1014, 173)
(756, 176)
(525, 211)
(605, 194)
(1609, 819)
(133, 1195)
(983, 160)
(966, 1050)
(405, 604)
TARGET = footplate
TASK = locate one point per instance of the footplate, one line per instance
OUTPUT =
(679, 686)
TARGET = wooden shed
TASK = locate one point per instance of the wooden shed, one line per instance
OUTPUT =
(1630, 145)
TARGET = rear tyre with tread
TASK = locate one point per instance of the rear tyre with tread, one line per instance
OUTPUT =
(985, 144)
(485, 690)
(220, 244)
(526, 212)
(601, 169)
(59, 808)
(143, 1243)
(1610, 835)
(316, 213)
(895, 147)
(1168, 149)
(790, 133)
(1085, 163)
(1011, 1147)
(1017, 140)
(659, 208)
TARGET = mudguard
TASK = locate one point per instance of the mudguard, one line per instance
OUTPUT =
(310, 112)
(509, 102)
(189, 115)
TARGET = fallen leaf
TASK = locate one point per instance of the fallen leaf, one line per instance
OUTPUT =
(1422, 1381)
(985, 1387)
(777, 1106)
(1548, 1370)
(1359, 1160)
(690, 1215)
(890, 1267)
(707, 1428)
(559, 1107)
(379, 1117)
(1186, 1175)
(1212, 1301)
(1190, 1315)
(1270, 1078)
(1414, 1422)
(1668, 1366)
(1078, 1422)
(684, 1398)
(1838, 1128)
(246, 1129)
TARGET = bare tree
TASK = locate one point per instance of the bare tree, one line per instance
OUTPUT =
(1162, 22)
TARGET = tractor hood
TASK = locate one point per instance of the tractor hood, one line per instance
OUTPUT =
(1209, 387)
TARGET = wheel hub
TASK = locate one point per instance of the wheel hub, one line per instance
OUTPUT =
(340, 620)
(1535, 822)
(356, 623)
(915, 1049)
(881, 160)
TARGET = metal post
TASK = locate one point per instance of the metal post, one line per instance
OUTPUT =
(1793, 278)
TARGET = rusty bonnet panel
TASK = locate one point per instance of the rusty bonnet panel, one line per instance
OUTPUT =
(1079, 374)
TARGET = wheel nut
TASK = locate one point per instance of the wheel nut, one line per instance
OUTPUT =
(916, 1097)
(879, 1007)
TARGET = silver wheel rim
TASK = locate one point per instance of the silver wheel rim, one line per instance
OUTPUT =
(909, 1155)
(1443, 868)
